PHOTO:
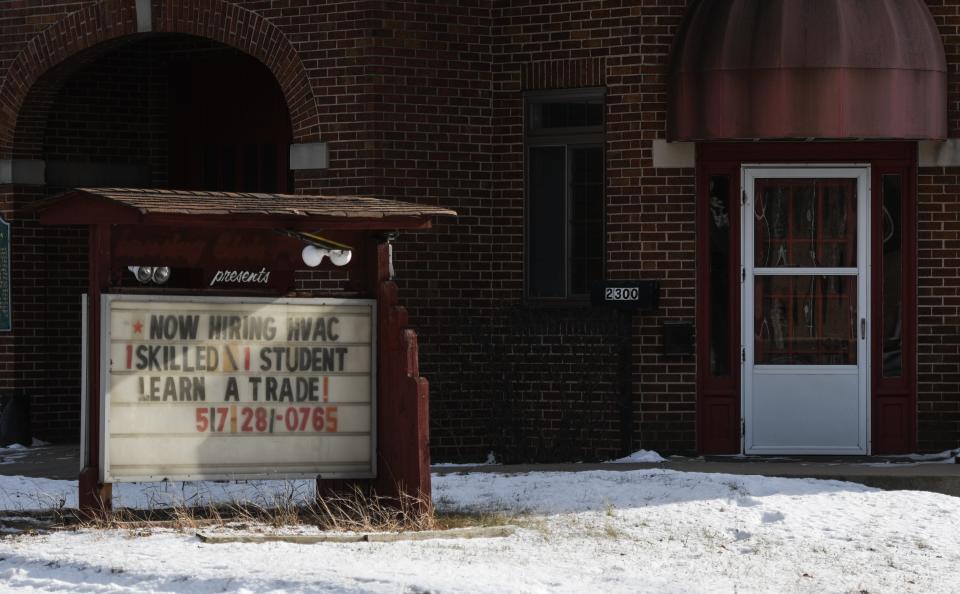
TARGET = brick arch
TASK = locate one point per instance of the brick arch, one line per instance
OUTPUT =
(106, 22)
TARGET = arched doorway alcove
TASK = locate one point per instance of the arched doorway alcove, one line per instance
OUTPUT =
(161, 110)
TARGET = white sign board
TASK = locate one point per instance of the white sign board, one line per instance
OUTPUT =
(232, 388)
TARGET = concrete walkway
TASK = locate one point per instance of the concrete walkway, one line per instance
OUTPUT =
(891, 473)
(51, 461)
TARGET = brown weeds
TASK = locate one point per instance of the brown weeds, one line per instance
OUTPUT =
(353, 510)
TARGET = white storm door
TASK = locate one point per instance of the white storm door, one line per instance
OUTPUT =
(806, 310)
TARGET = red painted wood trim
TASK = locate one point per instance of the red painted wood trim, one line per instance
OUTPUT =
(403, 450)
(805, 152)
(718, 398)
(94, 497)
(899, 394)
(403, 440)
(894, 400)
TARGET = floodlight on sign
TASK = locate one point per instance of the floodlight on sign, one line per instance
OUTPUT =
(312, 255)
(341, 257)
(144, 274)
(161, 274)
(319, 247)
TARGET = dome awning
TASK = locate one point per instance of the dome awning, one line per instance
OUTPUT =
(838, 69)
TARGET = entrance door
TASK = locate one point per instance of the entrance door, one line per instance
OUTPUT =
(805, 317)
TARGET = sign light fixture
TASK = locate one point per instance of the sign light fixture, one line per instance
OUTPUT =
(319, 247)
(161, 274)
(157, 275)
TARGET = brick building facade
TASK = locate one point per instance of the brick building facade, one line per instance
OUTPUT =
(429, 102)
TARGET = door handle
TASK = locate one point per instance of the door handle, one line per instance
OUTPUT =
(863, 328)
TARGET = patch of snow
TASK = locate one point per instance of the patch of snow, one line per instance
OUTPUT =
(18, 493)
(615, 532)
(641, 456)
(945, 457)
(490, 461)
(38, 443)
(12, 453)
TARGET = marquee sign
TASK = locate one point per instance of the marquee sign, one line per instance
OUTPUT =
(237, 388)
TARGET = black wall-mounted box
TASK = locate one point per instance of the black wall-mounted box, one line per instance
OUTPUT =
(677, 337)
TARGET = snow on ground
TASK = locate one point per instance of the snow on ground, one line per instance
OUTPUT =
(601, 531)
(490, 461)
(12, 452)
(19, 493)
(15, 451)
(945, 457)
(641, 456)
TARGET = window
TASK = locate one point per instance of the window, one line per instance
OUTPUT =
(718, 281)
(891, 275)
(565, 193)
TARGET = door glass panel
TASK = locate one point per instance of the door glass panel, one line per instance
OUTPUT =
(805, 320)
(805, 223)
(892, 298)
(587, 239)
(719, 283)
(547, 237)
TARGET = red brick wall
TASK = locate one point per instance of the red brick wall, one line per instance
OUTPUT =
(423, 101)
(113, 110)
(434, 130)
(938, 309)
(650, 212)
(48, 272)
(938, 273)
(466, 277)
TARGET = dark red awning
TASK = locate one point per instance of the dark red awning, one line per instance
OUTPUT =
(765, 69)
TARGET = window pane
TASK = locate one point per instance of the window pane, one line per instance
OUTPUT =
(566, 114)
(805, 320)
(892, 307)
(805, 223)
(546, 228)
(719, 237)
(586, 222)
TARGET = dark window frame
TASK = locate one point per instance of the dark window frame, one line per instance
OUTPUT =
(569, 138)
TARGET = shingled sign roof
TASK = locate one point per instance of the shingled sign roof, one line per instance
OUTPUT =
(77, 206)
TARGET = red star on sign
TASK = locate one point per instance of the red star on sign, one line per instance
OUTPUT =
(138, 327)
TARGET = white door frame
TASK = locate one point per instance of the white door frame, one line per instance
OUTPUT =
(750, 173)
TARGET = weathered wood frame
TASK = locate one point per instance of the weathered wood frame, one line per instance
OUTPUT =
(403, 456)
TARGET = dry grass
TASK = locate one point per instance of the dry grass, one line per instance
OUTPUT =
(350, 511)
(451, 520)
